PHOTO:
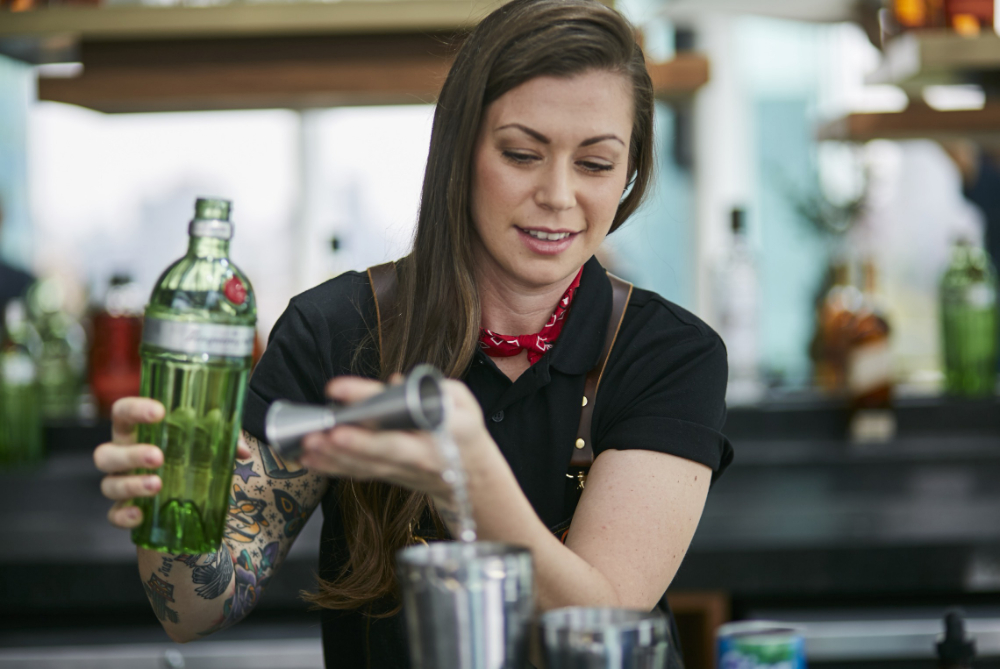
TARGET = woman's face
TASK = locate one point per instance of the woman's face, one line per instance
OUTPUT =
(549, 169)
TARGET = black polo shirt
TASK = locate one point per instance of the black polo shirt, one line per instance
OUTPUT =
(663, 390)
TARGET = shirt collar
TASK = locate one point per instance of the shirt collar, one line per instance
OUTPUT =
(580, 343)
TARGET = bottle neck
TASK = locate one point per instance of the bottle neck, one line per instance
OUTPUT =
(208, 247)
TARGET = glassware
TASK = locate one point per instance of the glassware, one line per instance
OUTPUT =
(602, 638)
(198, 336)
(467, 605)
(61, 359)
(969, 322)
(834, 328)
(20, 406)
(869, 358)
(115, 366)
(737, 302)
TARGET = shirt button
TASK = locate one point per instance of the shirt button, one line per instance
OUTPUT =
(498, 416)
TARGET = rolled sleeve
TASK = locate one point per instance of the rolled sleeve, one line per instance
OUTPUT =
(668, 397)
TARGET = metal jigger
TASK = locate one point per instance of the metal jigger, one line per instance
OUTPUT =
(416, 404)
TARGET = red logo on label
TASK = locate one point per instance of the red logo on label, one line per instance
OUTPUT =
(235, 291)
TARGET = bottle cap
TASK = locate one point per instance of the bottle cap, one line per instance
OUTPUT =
(211, 218)
(737, 220)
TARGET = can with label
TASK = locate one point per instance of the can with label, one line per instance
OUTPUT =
(759, 644)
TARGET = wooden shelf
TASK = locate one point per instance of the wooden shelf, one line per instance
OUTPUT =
(247, 56)
(820, 11)
(54, 35)
(680, 76)
(246, 19)
(919, 59)
(254, 73)
(299, 72)
(917, 122)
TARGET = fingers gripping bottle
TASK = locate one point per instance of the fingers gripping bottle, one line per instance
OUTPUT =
(197, 341)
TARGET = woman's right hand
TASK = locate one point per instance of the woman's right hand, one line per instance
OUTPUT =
(121, 456)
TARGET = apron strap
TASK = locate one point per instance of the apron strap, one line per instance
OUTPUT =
(583, 451)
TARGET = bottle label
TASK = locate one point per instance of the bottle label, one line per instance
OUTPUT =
(981, 296)
(193, 338)
(17, 369)
(868, 367)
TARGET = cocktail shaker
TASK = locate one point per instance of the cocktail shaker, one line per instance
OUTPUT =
(598, 638)
(467, 605)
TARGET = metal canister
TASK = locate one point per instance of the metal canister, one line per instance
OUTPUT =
(604, 638)
(467, 605)
(760, 644)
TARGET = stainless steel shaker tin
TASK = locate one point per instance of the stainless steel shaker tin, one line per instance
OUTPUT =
(604, 638)
(467, 605)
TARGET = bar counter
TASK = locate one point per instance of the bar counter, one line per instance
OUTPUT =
(802, 520)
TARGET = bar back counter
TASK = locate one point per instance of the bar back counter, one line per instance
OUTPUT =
(865, 544)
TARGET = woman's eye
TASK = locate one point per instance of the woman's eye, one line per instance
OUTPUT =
(591, 166)
(519, 157)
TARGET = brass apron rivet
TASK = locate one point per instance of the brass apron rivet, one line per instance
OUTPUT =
(584, 401)
(580, 443)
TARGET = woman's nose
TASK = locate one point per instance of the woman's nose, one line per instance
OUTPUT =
(555, 189)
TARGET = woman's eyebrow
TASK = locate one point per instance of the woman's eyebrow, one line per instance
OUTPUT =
(545, 140)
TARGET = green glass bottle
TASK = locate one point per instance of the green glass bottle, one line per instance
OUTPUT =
(20, 403)
(61, 359)
(198, 335)
(969, 322)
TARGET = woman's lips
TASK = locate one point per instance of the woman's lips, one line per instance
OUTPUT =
(544, 246)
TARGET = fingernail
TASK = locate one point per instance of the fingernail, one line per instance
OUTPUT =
(151, 483)
(133, 513)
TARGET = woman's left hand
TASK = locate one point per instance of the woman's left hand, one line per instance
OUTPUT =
(408, 459)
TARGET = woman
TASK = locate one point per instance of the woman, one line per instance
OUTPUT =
(541, 145)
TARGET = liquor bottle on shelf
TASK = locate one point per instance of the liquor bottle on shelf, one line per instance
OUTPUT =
(737, 301)
(20, 407)
(919, 14)
(969, 17)
(969, 322)
(115, 367)
(197, 342)
(834, 330)
(869, 366)
(61, 360)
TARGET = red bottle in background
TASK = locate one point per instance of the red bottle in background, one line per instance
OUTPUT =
(115, 367)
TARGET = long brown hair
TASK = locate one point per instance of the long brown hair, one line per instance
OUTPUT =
(436, 314)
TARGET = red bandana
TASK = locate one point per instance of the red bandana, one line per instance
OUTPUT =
(503, 346)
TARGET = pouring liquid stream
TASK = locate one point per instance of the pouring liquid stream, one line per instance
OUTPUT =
(454, 475)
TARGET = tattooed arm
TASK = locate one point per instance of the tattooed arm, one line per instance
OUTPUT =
(269, 502)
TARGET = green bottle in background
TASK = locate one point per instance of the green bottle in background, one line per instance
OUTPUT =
(61, 359)
(20, 401)
(969, 322)
(198, 335)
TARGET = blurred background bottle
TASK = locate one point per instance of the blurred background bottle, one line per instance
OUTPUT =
(20, 409)
(969, 17)
(869, 358)
(197, 343)
(62, 358)
(736, 298)
(869, 372)
(969, 322)
(919, 14)
(115, 367)
(835, 320)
